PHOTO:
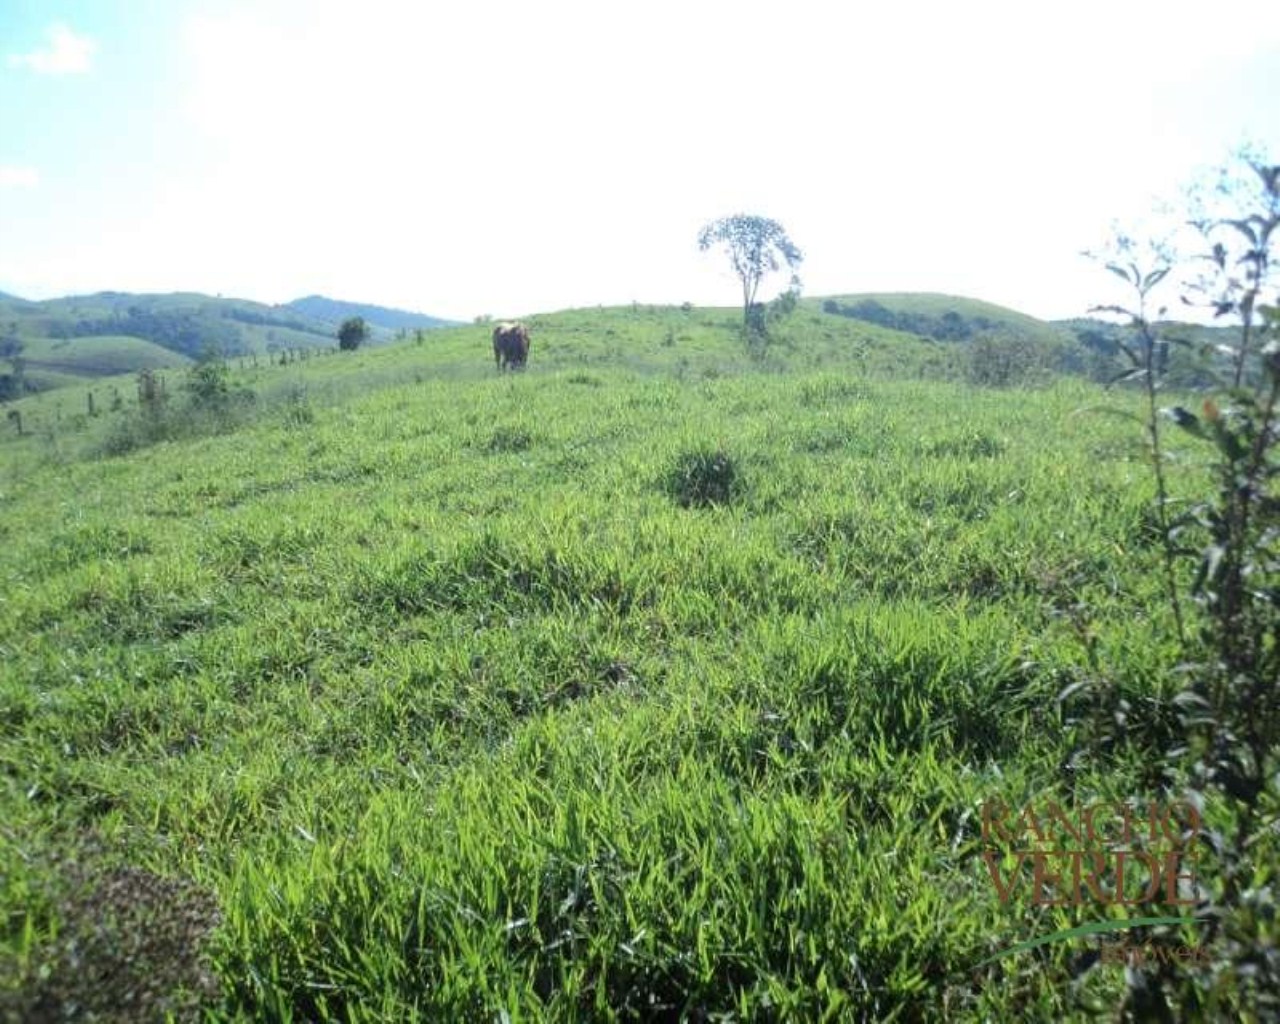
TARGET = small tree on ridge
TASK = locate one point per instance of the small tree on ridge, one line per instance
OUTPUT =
(756, 246)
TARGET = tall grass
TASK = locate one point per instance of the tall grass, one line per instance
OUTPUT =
(459, 712)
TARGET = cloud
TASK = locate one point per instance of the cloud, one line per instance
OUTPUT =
(18, 177)
(66, 54)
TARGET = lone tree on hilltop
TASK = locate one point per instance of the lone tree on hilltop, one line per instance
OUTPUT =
(756, 246)
(353, 333)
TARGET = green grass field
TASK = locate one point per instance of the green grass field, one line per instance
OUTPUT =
(450, 694)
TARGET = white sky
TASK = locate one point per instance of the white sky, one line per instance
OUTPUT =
(508, 158)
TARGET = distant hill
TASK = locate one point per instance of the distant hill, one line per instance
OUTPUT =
(941, 317)
(183, 322)
(332, 311)
(80, 337)
(1189, 363)
(98, 356)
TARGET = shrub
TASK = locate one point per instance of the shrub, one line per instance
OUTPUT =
(1223, 753)
(704, 477)
(151, 392)
(1002, 361)
(212, 406)
(510, 439)
(297, 407)
(353, 333)
(206, 383)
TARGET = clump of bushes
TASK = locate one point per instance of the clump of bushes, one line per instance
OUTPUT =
(704, 477)
(297, 410)
(207, 403)
(1000, 361)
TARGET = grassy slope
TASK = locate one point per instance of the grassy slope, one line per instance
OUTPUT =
(99, 356)
(38, 326)
(456, 711)
(34, 323)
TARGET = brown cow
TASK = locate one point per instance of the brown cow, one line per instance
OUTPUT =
(510, 345)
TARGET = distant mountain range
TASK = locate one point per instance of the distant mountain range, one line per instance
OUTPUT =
(332, 311)
(63, 341)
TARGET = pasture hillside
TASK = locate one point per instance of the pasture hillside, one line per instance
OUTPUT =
(684, 342)
(114, 332)
(100, 356)
(660, 681)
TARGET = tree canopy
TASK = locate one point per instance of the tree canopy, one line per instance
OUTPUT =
(353, 333)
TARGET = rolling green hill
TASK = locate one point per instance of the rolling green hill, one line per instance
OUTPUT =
(64, 339)
(648, 338)
(98, 356)
(940, 317)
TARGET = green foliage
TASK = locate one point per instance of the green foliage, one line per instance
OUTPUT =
(950, 326)
(207, 382)
(352, 333)
(1240, 252)
(298, 410)
(510, 439)
(1219, 737)
(173, 330)
(704, 477)
(210, 405)
(151, 392)
(784, 305)
(13, 384)
(947, 318)
(1003, 361)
